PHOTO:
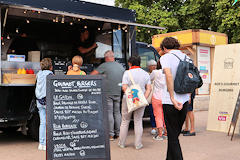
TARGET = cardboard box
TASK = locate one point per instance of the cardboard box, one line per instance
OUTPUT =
(34, 56)
(15, 58)
(11, 78)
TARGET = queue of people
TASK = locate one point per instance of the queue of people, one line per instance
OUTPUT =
(169, 109)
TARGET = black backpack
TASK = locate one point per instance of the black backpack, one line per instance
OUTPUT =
(187, 77)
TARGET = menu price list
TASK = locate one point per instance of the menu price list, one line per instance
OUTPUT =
(76, 119)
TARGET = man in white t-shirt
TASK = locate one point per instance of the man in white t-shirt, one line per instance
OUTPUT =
(174, 105)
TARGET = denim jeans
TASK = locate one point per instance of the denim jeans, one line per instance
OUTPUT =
(42, 127)
(114, 115)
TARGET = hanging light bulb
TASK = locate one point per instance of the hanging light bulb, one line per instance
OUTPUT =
(148, 31)
(119, 27)
(62, 20)
(139, 30)
(39, 12)
(27, 21)
(71, 23)
(126, 30)
(83, 18)
(99, 29)
(25, 11)
(3, 43)
(17, 30)
(56, 19)
(79, 20)
(85, 27)
(8, 37)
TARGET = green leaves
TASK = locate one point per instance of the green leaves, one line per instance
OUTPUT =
(176, 15)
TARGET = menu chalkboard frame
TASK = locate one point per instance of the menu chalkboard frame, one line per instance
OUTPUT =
(49, 98)
(235, 116)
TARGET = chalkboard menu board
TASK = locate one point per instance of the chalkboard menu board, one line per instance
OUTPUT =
(236, 111)
(235, 116)
(77, 125)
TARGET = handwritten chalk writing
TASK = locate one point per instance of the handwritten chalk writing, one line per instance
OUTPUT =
(56, 83)
(86, 83)
(55, 133)
(64, 126)
(56, 103)
(58, 112)
(63, 117)
(89, 147)
(62, 138)
(62, 97)
(58, 107)
(78, 90)
(95, 93)
(77, 112)
(69, 154)
(92, 102)
(67, 103)
(60, 146)
(85, 107)
(59, 155)
(80, 132)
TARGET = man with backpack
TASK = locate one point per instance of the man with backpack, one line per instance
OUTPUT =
(174, 104)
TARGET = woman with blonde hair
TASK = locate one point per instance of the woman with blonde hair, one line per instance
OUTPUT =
(77, 62)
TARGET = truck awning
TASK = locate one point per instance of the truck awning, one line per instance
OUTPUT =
(79, 9)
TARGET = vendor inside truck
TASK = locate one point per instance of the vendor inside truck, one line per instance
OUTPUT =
(87, 45)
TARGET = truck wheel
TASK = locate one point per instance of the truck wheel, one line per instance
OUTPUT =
(9, 129)
(33, 127)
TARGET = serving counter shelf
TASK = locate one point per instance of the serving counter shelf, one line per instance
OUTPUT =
(16, 85)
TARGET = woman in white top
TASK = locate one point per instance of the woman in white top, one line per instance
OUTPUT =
(159, 84)
(141, 78)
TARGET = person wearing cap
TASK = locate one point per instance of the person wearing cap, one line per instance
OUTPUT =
(114, 73)
(152, 65)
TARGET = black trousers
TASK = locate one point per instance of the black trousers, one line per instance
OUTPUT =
(174, 120)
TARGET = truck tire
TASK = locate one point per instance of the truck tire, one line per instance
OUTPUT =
(33, 127)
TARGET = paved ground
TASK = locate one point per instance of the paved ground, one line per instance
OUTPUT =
(205, 146)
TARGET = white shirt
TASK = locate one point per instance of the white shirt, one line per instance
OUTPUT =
(159, 83)
(170, 61)
(140, 77)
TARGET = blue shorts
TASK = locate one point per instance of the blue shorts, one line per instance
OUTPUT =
(190, 106)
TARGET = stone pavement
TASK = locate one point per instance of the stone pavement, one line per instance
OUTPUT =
(206, 145)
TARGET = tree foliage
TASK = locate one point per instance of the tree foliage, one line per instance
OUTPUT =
(176, 15)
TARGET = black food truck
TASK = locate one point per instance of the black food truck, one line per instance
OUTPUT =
(32, 30)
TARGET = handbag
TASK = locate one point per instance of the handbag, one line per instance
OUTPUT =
(134, 96)
(149, 99)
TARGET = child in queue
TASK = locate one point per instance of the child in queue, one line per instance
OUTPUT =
(77, 62)
(40, 91)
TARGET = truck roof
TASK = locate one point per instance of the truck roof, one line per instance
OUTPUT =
(77, 7)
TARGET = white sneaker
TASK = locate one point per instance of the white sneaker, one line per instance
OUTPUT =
(153, 131)
(42, 147)
(139, 146)
(158, 138)
(120, 145)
